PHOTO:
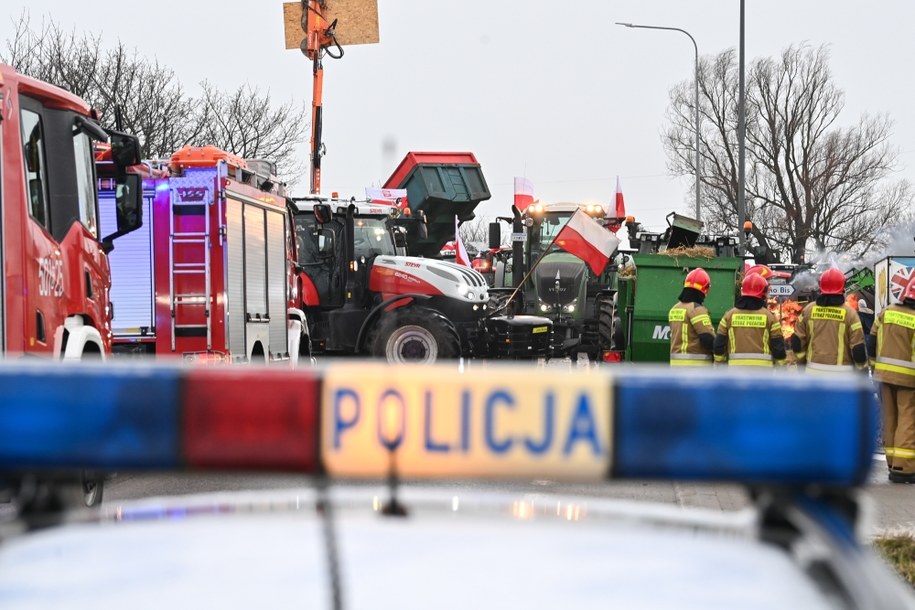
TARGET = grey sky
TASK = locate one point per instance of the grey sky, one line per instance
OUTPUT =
(566, 98)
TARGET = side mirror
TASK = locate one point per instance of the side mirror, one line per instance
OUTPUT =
(129, 207)
(422, 228)
(495, 235)
(323, 213)
(325, 239)
(400, 239)
(125, 149)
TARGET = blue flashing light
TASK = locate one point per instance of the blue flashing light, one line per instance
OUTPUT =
(762, 429)
(95, 416)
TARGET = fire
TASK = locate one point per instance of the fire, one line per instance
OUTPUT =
(787, 311)
(852, 301)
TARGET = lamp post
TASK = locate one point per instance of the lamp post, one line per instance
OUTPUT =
(696, 102)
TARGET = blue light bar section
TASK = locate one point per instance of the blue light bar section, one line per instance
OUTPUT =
(767, 429)
(106, 417)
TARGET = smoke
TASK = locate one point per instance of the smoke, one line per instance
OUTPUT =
(899, 241)
(806, 281)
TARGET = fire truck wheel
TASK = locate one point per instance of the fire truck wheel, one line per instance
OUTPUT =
(417, 336)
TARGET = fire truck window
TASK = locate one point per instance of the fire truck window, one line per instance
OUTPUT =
(85, 182)
(35, 179)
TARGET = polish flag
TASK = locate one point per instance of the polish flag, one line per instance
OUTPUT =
(460, 252)
(387, 196)
(524, 193)
(620, 208)
(588, 240)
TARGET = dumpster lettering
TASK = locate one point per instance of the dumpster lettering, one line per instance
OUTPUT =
(661, 333)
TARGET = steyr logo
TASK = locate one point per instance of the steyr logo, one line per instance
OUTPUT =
(661, 333)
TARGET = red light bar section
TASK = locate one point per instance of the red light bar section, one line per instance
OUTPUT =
(254, 419)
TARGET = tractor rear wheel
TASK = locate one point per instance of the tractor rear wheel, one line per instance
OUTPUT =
(421, 336)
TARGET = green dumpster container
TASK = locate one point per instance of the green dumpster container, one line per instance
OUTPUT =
(643, 301)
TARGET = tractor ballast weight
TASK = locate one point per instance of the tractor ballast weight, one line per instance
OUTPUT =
(439, 185)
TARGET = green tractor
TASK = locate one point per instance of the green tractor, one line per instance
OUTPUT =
(559, 285)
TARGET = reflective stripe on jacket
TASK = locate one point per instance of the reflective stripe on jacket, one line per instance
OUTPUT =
(688, 321)
(827, 335)
(749, 333)
(895, 357)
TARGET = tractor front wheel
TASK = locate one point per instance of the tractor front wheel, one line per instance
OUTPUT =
(415, 336)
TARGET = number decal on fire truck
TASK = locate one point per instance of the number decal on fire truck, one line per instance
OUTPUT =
(50, 277)
(191, 194)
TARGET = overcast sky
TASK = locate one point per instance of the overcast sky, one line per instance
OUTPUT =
(567, 99)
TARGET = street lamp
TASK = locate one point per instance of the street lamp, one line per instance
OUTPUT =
(696, 49)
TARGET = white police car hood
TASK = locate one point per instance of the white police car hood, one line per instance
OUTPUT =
(459, 548)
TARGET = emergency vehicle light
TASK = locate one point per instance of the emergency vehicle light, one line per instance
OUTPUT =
(496, 422)
(785, 430)
(148, 418)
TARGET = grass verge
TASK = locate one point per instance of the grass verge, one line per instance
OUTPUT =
(899, 552)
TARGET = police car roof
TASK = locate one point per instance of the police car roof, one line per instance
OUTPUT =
(457, 549)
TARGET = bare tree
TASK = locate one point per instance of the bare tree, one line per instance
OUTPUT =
(247, 123)
(810, 183)
(476, 231)
(153, 105)
(152, 102)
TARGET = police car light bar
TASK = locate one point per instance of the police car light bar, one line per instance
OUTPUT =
(495, 422)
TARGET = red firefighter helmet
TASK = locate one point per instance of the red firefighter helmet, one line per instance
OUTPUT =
(754, 285)
(698, 279)
(909, 293)
(762, 270)
(832, 282)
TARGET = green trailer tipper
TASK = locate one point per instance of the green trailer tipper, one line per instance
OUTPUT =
(644, 300)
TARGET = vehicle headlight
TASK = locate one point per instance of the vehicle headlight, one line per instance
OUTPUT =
(546, 307)
(570, 308)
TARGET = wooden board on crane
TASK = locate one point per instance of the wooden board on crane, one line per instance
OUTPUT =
(357, 21)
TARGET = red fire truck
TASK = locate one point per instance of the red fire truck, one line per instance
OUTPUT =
(55, 286)
(210, 276)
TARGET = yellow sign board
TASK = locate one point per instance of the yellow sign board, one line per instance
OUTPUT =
(357, 21)
(487, 422)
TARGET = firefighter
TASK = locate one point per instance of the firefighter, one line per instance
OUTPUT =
(691, 334)
(828, 334)
(892, 345)
(749, 334)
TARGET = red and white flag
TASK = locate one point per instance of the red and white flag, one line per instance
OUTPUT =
(620, 205)
(387, 196)
(588, 240)
(524, 193)
(460, 252)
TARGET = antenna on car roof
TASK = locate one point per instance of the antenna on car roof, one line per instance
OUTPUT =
(393, 507)
(325, 509)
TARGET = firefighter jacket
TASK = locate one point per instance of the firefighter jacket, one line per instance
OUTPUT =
(688, 323)
(894, 358)
(750, 337)
(829, 338)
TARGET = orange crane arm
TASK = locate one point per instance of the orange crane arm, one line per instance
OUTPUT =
(319, 36)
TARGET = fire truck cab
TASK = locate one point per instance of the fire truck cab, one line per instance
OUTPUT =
(55, 286)
(210, 279)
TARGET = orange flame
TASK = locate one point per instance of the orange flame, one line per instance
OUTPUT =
(787, 312)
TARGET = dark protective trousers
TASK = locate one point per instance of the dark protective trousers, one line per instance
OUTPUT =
(898, 407)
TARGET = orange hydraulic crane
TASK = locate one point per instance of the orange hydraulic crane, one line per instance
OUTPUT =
(320, 39)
